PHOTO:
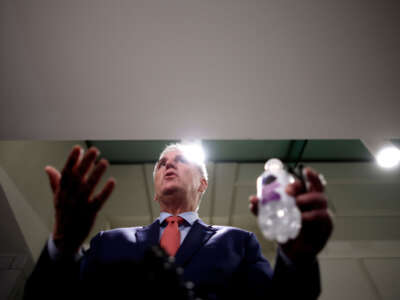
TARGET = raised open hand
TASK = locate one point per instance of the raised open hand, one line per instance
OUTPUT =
(75, 206)
(316, 219)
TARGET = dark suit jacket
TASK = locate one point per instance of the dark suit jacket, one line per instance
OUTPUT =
(223, 262)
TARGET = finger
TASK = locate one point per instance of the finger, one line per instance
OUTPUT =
(99, 199)
(72, 160)
(318, 224)
(253, 199)
(313, 178)
(295, 188)
(88, 161)
(316, 215)
(311, 201)
(253, 206)
(54, 178)
(95, 177)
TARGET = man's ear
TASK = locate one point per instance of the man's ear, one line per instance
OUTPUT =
(203, 185)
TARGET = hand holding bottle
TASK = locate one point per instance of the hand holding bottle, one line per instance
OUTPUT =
(316, 218)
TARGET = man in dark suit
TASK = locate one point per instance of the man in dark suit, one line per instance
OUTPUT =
(222, 262)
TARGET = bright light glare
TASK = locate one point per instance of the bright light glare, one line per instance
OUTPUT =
(280, 213)
(388, 157)
(194, 153)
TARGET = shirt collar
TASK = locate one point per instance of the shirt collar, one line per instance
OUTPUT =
(189, 216)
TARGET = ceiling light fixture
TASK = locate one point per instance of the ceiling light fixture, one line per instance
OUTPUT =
(388, 157)
(386, 154)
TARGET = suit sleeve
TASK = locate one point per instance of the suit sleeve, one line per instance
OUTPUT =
(60, 277)
(52, 279)
(284, 282)
(300, 281)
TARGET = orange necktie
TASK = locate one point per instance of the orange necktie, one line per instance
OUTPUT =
(171, 237)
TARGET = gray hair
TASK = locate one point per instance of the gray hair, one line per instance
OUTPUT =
(183, 148)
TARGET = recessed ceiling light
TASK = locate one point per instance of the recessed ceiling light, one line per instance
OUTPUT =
(388, 157)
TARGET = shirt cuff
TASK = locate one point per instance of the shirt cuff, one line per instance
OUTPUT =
(55, 254)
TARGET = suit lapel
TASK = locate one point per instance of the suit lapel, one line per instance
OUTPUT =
(196, 238)
(149, 235)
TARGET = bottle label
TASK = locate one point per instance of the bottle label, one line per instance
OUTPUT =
(269, 192)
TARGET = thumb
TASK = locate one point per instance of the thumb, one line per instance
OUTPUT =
(54, 178)
(317, 181)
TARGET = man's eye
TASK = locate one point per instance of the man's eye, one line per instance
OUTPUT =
(161, 164)
(182, 159)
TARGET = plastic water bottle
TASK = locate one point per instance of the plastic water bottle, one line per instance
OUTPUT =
(278, 216)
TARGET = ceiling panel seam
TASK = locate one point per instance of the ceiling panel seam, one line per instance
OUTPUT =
(213, 188)
(368, 276)
(147, 189)
(233, 199)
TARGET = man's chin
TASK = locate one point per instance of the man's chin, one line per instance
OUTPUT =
(171, 191)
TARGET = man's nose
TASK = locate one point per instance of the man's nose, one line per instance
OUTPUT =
(170, 164)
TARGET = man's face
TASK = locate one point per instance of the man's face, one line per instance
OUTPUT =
(175, 174)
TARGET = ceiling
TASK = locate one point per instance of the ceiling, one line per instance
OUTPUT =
(240, 151)
(155, 70)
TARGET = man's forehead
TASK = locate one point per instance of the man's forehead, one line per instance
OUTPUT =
(171, 153)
